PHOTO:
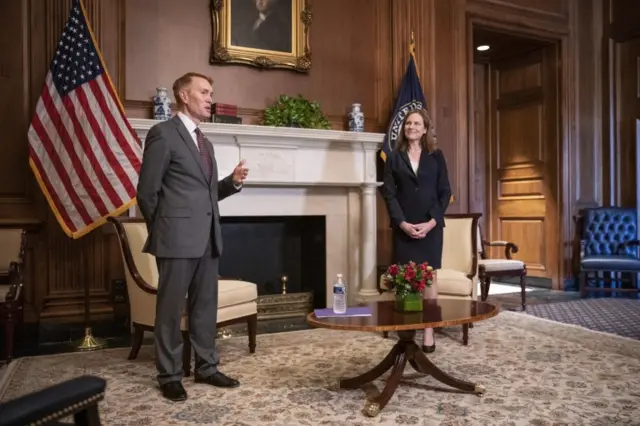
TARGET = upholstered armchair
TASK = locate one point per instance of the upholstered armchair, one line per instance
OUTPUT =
(458, 278)
(608, 246)
(12, 252)
(237, 300)
(504, 267)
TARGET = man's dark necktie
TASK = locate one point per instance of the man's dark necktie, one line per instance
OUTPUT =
(204, 154)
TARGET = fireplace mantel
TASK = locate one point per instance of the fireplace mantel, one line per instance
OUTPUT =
(294, 171)
(288, 135)
(286, 156)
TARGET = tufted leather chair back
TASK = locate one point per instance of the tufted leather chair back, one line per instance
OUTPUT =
(607, 227)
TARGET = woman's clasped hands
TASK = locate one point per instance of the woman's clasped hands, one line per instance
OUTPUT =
(418, 230)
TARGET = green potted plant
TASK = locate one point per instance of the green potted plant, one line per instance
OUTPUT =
(288, 111)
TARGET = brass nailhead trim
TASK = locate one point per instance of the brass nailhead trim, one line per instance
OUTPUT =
(68, 410)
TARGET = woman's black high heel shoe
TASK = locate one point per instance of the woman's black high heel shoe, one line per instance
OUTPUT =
(429, 349)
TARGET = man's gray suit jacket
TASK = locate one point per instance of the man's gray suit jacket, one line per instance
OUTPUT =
(179, 207)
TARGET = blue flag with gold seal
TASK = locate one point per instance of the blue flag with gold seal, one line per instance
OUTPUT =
(410, 98)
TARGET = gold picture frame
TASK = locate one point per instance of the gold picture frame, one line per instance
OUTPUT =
(254, 37)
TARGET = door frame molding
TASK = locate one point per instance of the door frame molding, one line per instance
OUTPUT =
(567, 148)
(637, 163)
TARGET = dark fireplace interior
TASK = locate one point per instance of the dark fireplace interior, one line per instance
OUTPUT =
(263, 249)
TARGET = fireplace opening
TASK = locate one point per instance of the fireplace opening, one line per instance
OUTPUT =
(263, 249)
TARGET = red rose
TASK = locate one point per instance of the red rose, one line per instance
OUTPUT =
(393, 270)
(409, 274)
(422, 266)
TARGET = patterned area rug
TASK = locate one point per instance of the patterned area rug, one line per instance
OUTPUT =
(617, 316)
(537, 372)
(512, 301)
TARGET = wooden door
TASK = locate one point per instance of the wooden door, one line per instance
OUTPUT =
(523, 161)
(626, 151)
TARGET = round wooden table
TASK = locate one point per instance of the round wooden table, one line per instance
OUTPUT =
(384, 317)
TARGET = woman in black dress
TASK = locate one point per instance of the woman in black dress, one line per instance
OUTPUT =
(416, 191)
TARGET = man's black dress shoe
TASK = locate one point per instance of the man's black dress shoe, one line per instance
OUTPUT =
(218, 379)
(174, 391)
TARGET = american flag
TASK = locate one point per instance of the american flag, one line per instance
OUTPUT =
(82, 149)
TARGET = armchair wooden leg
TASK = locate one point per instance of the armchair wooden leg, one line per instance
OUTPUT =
(485, 282)
(252, 330)
(138, 334)
(583, 284)
(465, 334)
(88, 417)
(385, 334)
(523, 290)
(9, 330)
(186, 354)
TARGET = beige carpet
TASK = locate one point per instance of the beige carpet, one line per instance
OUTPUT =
(536, 372)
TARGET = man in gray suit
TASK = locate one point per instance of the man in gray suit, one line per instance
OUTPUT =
(178, 194)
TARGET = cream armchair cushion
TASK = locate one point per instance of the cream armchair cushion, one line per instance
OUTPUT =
(454, 284)
(500, 265)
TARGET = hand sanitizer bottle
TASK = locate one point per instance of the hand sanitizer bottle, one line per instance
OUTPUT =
(339, 296)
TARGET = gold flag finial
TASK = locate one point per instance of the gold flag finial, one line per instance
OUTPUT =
(412, 45)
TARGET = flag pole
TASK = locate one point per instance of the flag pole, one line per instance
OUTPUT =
(88, 342)
(412, 52)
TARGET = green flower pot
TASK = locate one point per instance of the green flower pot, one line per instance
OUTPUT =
(410, 302)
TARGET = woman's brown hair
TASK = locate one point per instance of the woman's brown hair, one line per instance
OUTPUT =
(428, 141)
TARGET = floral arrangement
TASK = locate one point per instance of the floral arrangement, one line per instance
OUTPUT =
(410, 278)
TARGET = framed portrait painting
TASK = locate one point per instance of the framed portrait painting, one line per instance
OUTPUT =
(261, 33)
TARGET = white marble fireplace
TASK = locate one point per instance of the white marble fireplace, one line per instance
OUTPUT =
(298, 172)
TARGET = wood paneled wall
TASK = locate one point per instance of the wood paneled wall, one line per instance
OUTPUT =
(360, 51)
(621, 102)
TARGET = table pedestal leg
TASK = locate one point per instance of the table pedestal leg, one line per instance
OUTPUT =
(406, 350)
